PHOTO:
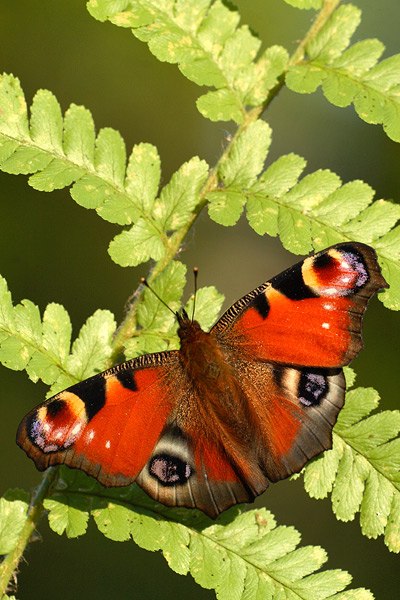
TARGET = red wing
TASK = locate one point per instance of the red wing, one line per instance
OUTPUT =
(293, 413)
(309, 315)
(107, 425)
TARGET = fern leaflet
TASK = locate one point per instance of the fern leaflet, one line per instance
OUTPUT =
(61, 152)
(362, 469)
(351, 74)
(242, 555)
(204, 39)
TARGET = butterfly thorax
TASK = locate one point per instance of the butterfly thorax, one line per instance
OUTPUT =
(200, 354)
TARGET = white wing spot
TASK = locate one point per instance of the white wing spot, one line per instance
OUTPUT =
(91, 435)
(108, 443)
(325, 325)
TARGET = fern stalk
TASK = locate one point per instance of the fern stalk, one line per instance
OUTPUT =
(35, 511)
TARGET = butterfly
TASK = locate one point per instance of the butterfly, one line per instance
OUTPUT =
(211, 424)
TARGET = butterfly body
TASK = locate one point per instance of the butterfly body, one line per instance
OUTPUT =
(250, 402)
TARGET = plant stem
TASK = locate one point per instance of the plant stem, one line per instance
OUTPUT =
(35, 511)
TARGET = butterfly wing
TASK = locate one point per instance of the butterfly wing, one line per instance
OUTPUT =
(138, 421)
(309, 315)
(208, 425)
(287, 341)
(106, 425)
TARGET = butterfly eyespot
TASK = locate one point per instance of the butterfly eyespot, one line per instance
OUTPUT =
(312, 388)
(55, 407)
(170, 470)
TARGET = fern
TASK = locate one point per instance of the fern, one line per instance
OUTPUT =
(351, 75)
(311, 214)
(362, 469)
(243, 555)
(204, 39)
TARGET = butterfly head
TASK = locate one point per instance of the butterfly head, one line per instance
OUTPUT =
(188, 328)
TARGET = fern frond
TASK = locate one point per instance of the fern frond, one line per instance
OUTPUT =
(242, 555)
(42, 347)
(63, 152)
(204, 39)
(363, 468)
(351, 74)
(315, 212)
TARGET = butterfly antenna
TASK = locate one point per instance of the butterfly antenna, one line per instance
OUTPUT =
(195, 273)
(143, 280)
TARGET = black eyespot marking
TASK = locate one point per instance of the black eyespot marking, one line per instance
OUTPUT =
(170, 470)
(313, 387)
(127, 380)
(323, 260)
(93, 393)
(54, 407)
(291, 284)
(261, 304)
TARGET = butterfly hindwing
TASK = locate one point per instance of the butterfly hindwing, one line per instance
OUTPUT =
(294, 410)
(195, 474)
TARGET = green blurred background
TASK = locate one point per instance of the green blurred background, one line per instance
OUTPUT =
(53, 250)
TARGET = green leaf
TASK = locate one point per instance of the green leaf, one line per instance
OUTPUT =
(157, 323)
(92, 347)
(388, 248)
(204, 39)
(46, 122)
(13, 508)
(241, 555)
(374, 221)
(112, 519)
(221, 105)
(362, 469)
(68, 514)
(334, 38)
(181, 194)
(13, 115)
(136, 245)
(246, 158)
(143, 176)
(79, 136)
(352, 75)
(225, 207)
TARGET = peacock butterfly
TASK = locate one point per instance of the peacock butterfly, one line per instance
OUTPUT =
(209, 425)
